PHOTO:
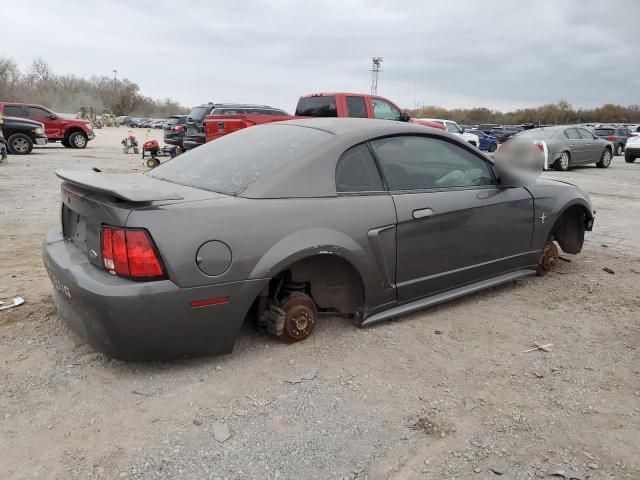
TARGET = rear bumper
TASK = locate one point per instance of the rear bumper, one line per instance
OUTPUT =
(632, 151)
(142, 321)
(193, 141)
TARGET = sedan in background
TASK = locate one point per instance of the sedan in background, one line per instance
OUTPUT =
(616, 135)
(504, 133)
(568, 146)
(487, 142)
(287, 222)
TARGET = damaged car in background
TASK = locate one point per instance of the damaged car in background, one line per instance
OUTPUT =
(286, 222)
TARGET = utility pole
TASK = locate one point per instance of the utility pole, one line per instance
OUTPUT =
(375, 70)
(115, 74)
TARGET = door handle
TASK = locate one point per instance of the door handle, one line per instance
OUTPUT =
(572, 145)
(422, 213)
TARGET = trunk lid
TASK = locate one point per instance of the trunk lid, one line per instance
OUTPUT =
(92, 199)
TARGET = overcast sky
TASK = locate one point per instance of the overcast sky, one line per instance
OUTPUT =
(499, 54)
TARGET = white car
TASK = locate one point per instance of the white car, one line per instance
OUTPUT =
(453, 127)
(632, 149)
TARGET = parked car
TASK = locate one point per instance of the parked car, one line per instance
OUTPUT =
(355, 105)
(21, 134)
(616, 135)
(174, 130)
(487, 127)
(361, 205)
(502, 134)
(195, 134)
(567, 146)
(74, 133)
(454, 128)
(632, 149)
(487, 142)
(124, 120)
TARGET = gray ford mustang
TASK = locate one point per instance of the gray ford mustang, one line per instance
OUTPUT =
(283, 222)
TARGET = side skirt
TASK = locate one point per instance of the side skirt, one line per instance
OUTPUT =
(445, 296)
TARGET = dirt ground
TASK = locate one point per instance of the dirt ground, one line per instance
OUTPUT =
(447, 393)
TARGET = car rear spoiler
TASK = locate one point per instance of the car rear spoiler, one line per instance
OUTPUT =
(129, 187)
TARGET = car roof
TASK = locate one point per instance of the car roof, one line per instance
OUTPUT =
(313, 174)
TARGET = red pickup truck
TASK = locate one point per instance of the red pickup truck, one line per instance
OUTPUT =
(354, 105)
(71, 133)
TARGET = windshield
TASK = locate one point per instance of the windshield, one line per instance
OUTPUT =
(231, 163)
(537, 134)
(317, 107)
(198, 113)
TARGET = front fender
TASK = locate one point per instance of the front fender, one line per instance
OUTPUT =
(551, 200)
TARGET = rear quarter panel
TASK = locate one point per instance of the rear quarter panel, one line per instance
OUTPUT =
(265, 236)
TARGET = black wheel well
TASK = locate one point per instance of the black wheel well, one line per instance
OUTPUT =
(72, 131)
(333, 282)
(569, 228)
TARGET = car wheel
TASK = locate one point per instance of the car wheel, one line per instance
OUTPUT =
(78, 140)
(619, 150)
(563, 162)
(628, 158)
(605, 160)
(548, 259)
(19, 144)
(153, 162)
(493, 147)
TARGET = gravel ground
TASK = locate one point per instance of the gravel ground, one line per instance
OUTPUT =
(447, 393)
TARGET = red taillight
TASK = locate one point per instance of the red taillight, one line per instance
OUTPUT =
(612, 138)
(130, 252)
(540, 147)
(178, 128)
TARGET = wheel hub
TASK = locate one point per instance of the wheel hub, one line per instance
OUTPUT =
(300, 317)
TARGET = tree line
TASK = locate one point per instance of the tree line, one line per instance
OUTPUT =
(67, 93)
(552, 114)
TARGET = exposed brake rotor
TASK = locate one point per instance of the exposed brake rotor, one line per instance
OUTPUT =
(548, 259)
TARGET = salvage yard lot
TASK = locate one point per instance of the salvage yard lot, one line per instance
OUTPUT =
(443, 393)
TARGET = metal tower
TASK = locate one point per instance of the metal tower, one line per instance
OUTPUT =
(375, 70)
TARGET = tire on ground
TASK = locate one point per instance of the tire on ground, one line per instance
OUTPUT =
(19, 144)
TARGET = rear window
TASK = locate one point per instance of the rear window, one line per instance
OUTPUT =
(537, 134)
(176, 121)
(605, 131)
(198, 113)
(233, 162)
(317, 107)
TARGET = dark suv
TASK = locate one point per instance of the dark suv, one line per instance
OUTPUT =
(504, 133)
(174, 130)
(616, 135)
(195, 135)
(20, 134)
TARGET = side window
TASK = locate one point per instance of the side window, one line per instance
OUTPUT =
(415, 163)
(356, 107)
(384, 110)
(572, 134)
(585, 134)
(356, 171)
(452, 127)
(38, 112)
(14, 110)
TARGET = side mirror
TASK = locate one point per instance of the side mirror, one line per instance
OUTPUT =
(461, 130)
(405, 117)
(52, 116)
